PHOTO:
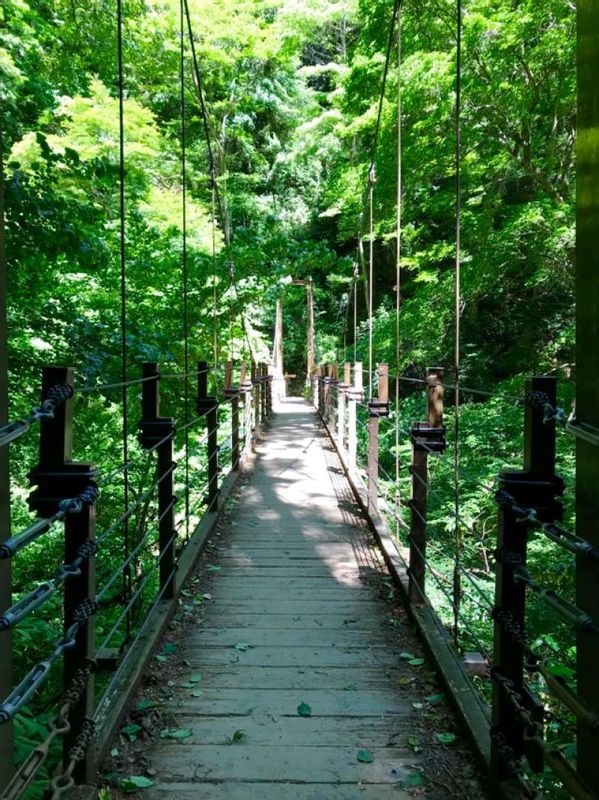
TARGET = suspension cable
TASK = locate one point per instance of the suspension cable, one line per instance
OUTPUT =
(213, 173)
(123, 280)
(214, 317)
(398, 267)
(356, 273)
(458, 302)
(184, 263)
(371, 182)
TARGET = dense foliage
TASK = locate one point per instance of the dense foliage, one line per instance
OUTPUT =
(292, 89)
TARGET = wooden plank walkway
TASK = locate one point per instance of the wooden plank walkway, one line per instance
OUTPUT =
(296, 616)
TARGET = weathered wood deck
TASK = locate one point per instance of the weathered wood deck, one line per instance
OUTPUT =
(298, 584)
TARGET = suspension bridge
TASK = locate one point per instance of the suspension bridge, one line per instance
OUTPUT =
(263, 615)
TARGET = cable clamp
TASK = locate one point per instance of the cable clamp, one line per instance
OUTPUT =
(84, 611)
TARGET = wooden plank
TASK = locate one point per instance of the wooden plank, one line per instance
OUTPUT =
(294, 656)
(364, 620)
(273, 553)
(194, 762)
(321, 583)
(266, 730)
(284, 702)
(236, 676)
(242, 790)
(340, 573)
(272, 637)
(286, 558)
(307, 605)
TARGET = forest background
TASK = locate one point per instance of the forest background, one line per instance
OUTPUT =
(292, 89)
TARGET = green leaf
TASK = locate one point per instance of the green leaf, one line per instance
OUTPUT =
(175, 733)
(559, 670)
(134, 782)
(365, 756)
(416, 662)
(415, 744)
(131, 731)
(160, 658)
(417, 706)
(412, 779)
(434, 699)
(406, 656)
(445, 738)
(197, 693)
(304, 710)
(196, 677)
(114, 752)
(169, 648)
(243, 646)
(143, 705)
(237, 737)
(213, 568)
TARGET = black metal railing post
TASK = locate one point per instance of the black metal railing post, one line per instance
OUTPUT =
(255, 398)
(58, 477)
(207, 405)
(536, 486)
(263, 376)
(158, 432)
(377, 407)
(426, 437)
(333, 398)
(245, 386)
(343, 388)
(232, 392)
(327, 393)
(269, 379)
(320, 390)
(356, 395)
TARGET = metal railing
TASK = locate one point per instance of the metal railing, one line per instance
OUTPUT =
(129, 602)
(514, 726)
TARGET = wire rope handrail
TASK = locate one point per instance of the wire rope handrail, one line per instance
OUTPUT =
(529, 507)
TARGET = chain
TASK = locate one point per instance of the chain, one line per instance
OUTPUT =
(74, 505)
(576, 427)
(63, 783)
(530, 726)
(67, 506)
(55, 397)
(517, 634)
(58, 726)
(507, 755)
(512, 764)
(84, 611)
(541, 402)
